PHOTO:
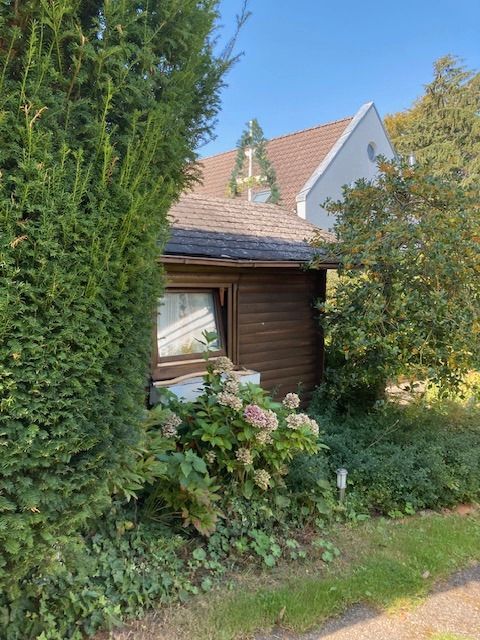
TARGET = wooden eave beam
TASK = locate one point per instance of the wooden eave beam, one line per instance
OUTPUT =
(230, 262)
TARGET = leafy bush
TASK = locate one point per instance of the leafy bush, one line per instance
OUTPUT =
(236, 434)
(407, 298)
(103, 104)
(96, 581)
(402, 459)
(233, 437)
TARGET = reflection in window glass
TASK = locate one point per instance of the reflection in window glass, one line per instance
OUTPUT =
(262, 196)
(182, 318)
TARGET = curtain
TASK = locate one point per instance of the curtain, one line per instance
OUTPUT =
(181, 320)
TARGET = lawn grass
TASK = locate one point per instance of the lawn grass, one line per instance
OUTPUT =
(383, 563)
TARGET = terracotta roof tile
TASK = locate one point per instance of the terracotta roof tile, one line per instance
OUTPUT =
(295, 157)
(237, 229)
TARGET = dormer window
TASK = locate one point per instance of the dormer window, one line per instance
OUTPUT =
(262, 196)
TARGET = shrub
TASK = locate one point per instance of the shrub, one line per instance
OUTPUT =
(103, 104)
(402, 459)
(233, 438)
(407, 297)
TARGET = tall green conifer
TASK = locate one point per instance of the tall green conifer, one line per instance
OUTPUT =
(101, 106)
(442, 129)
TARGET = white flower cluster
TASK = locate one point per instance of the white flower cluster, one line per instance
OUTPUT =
(262, 479)
(210, 457)
(222, 365)
(169, 427)
(291, 401)
(231, 383)
(298, 420)
(244, 455)
(229, 400)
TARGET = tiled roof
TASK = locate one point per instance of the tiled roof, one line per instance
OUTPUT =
(294, 156)
(228, 228)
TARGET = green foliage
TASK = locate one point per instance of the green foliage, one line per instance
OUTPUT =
(384, 564)
(404, 459)
(97, 580)
(236, 434)
(407, 300)
(102, 105)
(252, 140)
(442, 128)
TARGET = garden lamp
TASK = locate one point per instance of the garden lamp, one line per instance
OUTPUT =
(342, 482)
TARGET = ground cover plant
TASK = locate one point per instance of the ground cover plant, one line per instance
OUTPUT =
(405, 458)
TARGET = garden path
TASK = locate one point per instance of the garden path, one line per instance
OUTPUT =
(450, 612)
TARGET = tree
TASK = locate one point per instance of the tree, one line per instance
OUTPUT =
(253, 139)
(442, 128)
(407, 301)
(102, 106)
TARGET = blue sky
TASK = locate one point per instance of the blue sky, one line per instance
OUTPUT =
(311, 61)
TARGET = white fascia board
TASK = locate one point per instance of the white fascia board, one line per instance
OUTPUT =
(329, 158)
(387, 137)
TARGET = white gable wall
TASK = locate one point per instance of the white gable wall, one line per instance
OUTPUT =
(347, 161)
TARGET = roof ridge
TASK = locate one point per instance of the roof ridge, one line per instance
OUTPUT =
(284, 135)
(235, 202)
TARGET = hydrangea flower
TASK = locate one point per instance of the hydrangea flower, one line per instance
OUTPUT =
(255, 416)
(169, 427)
(291, 401)
(262, 478)
(298, 420)
(244, 455)
(261, 419)
(229, 400)
(210, 457)
(222, 365)
(231, 383)
(263, 438)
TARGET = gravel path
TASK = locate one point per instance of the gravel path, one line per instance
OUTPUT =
(452, 608)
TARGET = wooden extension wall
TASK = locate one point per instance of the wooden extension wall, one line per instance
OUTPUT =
(272, 323)
(278, 330)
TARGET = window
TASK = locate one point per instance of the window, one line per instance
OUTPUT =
(372, 151)
(262, 196)
(183, 316)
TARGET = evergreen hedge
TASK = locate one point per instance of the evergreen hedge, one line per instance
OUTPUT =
(102, 104)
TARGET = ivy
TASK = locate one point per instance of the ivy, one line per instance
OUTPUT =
(253, 140)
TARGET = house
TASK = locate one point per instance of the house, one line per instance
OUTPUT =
(311, 165)
(237, 268)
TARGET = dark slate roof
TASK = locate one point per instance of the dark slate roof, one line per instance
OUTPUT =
(235, 229)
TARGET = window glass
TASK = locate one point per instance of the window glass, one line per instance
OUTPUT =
(182, 318)
(262, 196)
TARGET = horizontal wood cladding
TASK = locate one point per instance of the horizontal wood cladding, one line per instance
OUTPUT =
(272, 327)
(278, 333)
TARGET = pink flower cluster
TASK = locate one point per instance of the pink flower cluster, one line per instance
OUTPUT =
(260, 418)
